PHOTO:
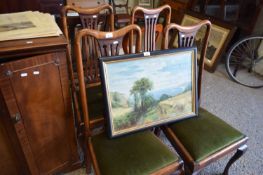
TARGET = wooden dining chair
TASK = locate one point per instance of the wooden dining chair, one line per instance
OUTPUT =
(205, 138)
(89, 18)
(152, 30)
(140, 153)
(123, 18)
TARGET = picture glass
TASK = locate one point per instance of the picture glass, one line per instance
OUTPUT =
(147, 91)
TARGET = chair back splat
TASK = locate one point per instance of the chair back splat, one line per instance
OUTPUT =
(186, 38)
(150, 23)
(90, 17)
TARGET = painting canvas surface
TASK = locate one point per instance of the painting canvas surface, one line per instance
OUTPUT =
(147, 91)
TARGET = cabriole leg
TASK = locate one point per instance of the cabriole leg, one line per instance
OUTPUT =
(240, 151)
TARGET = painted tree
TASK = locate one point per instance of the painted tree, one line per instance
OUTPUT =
(140, 89)
(136, 98)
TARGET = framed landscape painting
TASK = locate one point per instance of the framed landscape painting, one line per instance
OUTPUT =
(146, 91)
(220, 35)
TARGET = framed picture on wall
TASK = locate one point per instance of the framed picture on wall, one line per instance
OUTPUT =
(85, 3)
(121, 6)
(146, 91)
(220, 36)
(231, 12)
(145, 3)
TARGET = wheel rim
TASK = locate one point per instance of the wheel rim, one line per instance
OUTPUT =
(244, 62)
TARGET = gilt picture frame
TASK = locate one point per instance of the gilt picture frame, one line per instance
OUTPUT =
(145, 91)
(220, 36)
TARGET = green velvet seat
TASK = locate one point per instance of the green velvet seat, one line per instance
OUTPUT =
(203, 139)
(137, 154)
(205, 135)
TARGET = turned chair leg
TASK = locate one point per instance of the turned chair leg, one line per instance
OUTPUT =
(88, 161)
(187, 171)
(240, 151)
(88, 164)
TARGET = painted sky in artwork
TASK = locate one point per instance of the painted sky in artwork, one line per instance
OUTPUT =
(169, 71)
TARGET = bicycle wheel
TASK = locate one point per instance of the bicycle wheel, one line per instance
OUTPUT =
(244, 61)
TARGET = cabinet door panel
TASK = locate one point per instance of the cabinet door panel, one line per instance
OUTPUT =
(40, 101)
(8, 163)
(41, 91)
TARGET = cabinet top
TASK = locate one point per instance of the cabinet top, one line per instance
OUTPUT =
(27, 47)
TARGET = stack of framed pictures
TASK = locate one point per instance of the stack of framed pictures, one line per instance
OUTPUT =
(220, 36)
(146, 91)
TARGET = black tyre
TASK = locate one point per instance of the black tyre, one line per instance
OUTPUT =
(244, 61)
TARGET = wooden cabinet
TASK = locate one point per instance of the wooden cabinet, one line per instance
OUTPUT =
(11, 162)
(36, 108)
(51, 6)
(7, 6)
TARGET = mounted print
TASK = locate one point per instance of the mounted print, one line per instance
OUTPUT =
(145, 91)
(145, 3)
(220, 35)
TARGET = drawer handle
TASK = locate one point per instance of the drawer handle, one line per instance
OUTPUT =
(8, 73)
(16, 118)
(56, 62)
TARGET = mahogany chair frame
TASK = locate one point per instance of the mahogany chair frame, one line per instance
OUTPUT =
(106, 44)
(150, 23)
(186, 36)
(89, 17)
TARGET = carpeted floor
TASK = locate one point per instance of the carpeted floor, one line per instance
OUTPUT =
(240, 106)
